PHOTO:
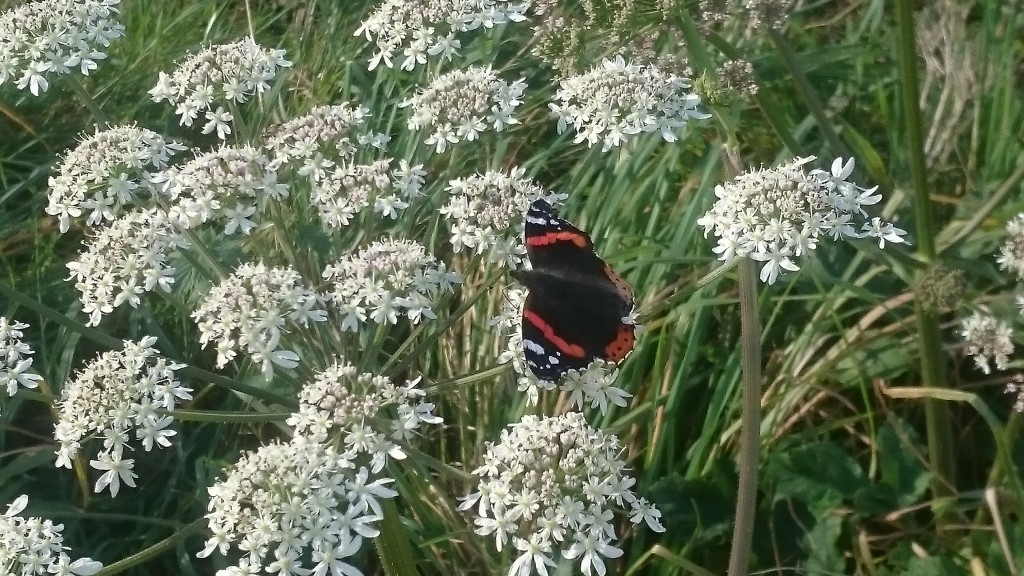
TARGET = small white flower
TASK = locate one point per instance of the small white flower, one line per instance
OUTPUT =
(15, 363)
(117, 471)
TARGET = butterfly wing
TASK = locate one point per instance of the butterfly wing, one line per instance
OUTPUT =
(574, 312)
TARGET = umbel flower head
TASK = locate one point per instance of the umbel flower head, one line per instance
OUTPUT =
(428, 28)
(775, 215)
(125, 259)
(1011, 253)
(15, 361)
(368, 412)
(461, 104)
(230, 184)
(325, 133)
(486, 211)
(987, 339)
(35, 546)
(385, 280)
(252, 309)
(323, 146)
(297, 508)
(615, 101)
(118, 392)
(107, 172)
(55, 37)
(553, 485)
(221, 75)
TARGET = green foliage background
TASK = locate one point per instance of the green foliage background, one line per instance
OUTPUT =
(853, 480)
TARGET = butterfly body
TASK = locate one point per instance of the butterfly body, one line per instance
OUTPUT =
(577, 308)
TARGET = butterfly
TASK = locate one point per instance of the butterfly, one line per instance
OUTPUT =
(578, 309)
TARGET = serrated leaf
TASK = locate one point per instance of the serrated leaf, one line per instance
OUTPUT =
(820, 475)
(900, 469)
(824, 555)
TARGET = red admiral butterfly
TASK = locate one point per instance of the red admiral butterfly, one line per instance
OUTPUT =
(575, 309)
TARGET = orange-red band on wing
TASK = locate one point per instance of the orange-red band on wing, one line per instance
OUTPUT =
(553, 237)
(622, 344)
(574, 350)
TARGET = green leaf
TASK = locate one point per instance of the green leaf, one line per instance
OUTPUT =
(900, 469)
(702, 508)
(824, 555)
(820, 475)
(933, 565)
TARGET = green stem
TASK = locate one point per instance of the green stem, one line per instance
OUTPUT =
(807, 92)
(228, 417)
(393, 545)
(89, 103)
(750, 420)
(937, 421)
(162, 547)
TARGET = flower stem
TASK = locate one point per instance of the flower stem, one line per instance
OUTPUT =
(940, 437)
(89, 102)
(750, 420)
(393, 545)
(162, 547)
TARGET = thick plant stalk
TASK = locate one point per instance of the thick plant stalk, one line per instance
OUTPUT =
(940, 437)
(750, 420)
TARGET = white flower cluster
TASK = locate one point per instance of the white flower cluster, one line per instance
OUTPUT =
(371, 411)
(554, 484)
(251, 309)
(222, 75)
(459, 105)
(1011, 253)
(120, 391)
(35, 546)
(774, 215)
(987, 339)
(1015, 388)
(323, 145)
(422, 28)
(107, 172)
(321, 137)
(389, 278)
(55, 37)
(123, 260)
(295, 508)
(593, 384)
(485, 213)
(15, 363)
(231, 183)
(615, 101)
